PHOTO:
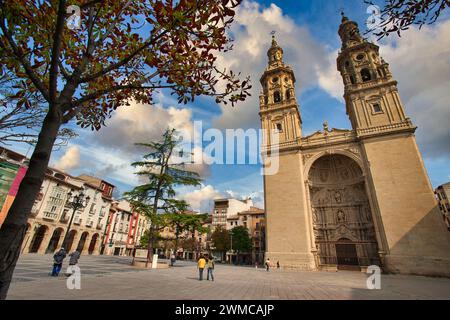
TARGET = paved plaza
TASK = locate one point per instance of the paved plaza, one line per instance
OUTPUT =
(110, 277)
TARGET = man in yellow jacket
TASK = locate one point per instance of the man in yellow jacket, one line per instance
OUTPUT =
(201, 266)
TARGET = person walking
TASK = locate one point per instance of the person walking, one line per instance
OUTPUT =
(210, 265)
(278, 264)
(267, 264)
(58, 259)
(74, 257)
(201, 266)
(172, 259)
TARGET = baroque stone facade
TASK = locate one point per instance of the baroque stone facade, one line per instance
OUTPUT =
(348, 198)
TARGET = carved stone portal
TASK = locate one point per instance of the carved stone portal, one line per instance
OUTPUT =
(342, 219)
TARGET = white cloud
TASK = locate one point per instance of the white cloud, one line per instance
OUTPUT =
(251, 34)
(201, 199)
(330, 79)
(420, 61)
(69, 160)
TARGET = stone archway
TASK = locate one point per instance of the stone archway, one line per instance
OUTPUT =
(38, 237)
(93, 243)
(82, 241)
(341, 214)
(54, 241)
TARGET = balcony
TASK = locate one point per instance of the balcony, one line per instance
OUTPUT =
(77, 221)
(99, 226)
(50, 215)
(64, 218)
(89, 223)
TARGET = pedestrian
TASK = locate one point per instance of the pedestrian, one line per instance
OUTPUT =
(58, 259)
(201, 266)
(278, 264)
(210, 265)
(172, 260)
(267, 264)
(74, 256)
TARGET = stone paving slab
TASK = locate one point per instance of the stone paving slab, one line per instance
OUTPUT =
(103, 279)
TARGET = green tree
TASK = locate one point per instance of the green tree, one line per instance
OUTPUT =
(242, 242)
(121, 50)
(398, 15)
(220, 239)
(156, 197)
(182, 222)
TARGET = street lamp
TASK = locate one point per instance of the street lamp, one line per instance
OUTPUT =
(76, 201)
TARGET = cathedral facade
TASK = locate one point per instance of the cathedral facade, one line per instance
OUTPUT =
(348, 199)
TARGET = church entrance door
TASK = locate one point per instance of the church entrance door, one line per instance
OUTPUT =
(347, 257)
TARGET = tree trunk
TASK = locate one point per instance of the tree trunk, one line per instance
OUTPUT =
(14, 227)
(150, 246)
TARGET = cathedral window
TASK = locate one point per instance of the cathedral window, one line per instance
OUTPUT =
(365, 75)
(377, 108)
(288, 94)
(279, 127)
(276, 97)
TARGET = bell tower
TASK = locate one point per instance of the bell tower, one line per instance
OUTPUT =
(284, 190)
(413, 239)
(371, 94)
(278, 105)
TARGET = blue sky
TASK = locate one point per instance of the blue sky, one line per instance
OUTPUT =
(307, 30)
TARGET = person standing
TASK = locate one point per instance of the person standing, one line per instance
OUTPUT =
(172, 259)
(201, 266)
(210, 265)
(58, 259)
(74, 257)
(267, 264)
(278, 264)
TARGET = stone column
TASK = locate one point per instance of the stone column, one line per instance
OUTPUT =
(87, 243)
(45, 242)
(75, 241)
(97, 246)
(27, 241)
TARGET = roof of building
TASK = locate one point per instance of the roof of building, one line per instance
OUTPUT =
(94, 180)
(252, 210)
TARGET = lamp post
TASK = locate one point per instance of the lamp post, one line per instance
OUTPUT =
(77, 201)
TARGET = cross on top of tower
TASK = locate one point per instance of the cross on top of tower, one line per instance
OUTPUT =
(342, 12)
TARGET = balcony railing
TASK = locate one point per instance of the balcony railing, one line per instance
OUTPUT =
(89, 223)
(99, 226)
(64, 218)
(77, 221)
(50, 215)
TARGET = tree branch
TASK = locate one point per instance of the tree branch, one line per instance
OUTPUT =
(26, 65)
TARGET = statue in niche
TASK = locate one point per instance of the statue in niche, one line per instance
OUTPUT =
(338, 197)
(340, 216)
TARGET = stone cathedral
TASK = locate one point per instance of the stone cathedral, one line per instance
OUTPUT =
(348, 199)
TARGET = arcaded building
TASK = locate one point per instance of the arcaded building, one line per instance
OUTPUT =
(349, 198)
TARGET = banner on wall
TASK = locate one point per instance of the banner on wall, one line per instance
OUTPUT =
(12, 193)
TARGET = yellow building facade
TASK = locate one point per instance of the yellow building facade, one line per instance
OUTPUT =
(348, 199)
